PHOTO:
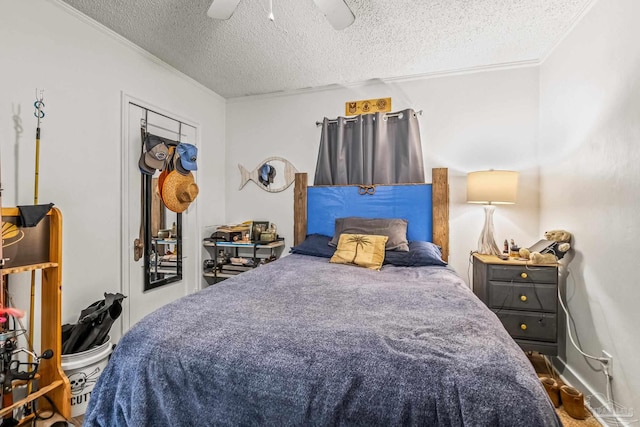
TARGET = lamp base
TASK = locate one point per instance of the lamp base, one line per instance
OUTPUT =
(486, 243)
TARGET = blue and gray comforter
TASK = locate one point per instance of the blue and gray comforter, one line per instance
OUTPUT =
(302, 341)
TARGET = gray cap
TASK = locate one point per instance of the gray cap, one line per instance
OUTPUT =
(157, 152)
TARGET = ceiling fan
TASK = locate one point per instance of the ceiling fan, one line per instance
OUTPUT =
(337, 12)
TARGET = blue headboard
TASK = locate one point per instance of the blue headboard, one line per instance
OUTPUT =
(425, 206)
(410, 202)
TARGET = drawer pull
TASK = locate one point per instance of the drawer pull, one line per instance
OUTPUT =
(523, 326)
(523, 298)
(523, 275)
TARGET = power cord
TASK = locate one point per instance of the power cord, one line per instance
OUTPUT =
(469, 267)
(603, 360)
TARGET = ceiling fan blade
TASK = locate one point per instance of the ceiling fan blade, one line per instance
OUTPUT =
(337, 12)
(222, 9)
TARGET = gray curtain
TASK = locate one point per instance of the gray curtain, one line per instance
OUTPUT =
(370, 149)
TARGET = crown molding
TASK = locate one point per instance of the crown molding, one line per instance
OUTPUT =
(132, 46)
(576, 20)
(390, 80)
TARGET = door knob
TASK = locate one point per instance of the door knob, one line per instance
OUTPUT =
(138, 247)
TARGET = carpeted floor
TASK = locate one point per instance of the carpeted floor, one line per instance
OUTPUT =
(538, 362)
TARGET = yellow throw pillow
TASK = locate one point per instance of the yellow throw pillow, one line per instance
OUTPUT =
(365, 250)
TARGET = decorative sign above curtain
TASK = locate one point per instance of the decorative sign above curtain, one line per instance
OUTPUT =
(380, 148)
(273, 174)
(367, 106)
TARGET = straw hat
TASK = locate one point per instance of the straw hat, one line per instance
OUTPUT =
(161, 178)
(178, 191)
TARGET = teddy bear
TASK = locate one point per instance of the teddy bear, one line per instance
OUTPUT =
(561, 244)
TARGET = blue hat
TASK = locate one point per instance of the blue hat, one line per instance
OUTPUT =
(266, 174)
(188, 156)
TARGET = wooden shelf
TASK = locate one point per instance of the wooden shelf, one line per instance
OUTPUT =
(52, 380)
(31, 397)
(26, 419)
(271, 245)
(25, 268)
(221, 275)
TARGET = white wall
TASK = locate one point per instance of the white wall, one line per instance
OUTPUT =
(590, 185)
(84, 70)
(486, 120)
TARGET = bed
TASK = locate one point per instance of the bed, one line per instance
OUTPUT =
(305, 341)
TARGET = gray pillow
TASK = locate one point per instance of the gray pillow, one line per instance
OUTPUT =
(394, 228)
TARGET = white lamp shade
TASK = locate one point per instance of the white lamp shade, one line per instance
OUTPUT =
(492, 187)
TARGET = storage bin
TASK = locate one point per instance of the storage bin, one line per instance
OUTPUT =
(83, 370)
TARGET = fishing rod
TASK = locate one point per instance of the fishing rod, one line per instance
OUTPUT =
(39, 114)
(11, 368)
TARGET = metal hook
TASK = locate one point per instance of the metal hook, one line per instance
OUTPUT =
(39, 105)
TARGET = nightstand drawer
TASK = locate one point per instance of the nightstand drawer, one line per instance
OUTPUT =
(523, 296)
(519, 273)
(529, 326)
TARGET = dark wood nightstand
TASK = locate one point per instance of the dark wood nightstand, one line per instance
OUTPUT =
(523, 296)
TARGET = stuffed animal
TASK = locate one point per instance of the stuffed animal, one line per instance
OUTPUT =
(556, 251)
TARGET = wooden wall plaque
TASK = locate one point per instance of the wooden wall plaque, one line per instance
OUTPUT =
(368, 106)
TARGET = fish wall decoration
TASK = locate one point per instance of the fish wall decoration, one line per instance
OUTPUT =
(273, 174)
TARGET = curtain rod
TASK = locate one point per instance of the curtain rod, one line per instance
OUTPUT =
(353, 119)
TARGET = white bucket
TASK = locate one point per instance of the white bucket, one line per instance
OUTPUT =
(83, 370)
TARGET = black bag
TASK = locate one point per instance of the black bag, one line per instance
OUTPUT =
(93, 325)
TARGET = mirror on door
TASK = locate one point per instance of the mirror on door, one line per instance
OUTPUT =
(163, 238)
(162, 227)
(167, 188)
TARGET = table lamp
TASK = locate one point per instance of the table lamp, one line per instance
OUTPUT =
(492, 187)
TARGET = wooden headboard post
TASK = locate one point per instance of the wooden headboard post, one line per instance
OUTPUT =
(440, 206)
(300, 209)
(440, 203)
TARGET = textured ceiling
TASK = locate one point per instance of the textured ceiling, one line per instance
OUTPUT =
(249, 55)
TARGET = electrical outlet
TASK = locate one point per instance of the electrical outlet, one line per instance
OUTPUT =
(608, 355)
